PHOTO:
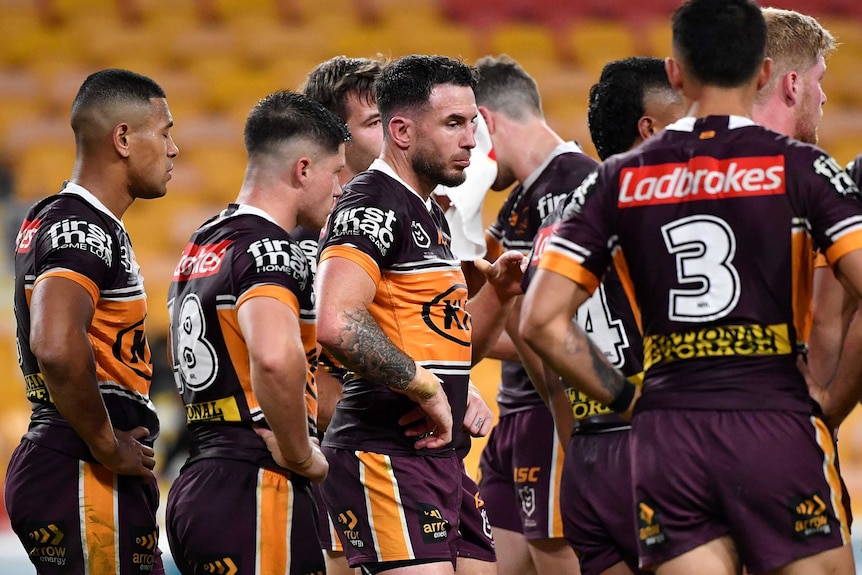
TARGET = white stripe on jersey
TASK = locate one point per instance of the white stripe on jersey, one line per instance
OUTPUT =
(844, 227)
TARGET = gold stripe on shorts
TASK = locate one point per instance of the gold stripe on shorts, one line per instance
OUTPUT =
(385, 508)
(97, 511)
(274, 523)
(833, 478)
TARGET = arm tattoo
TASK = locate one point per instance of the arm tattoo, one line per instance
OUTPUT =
(577, 342)
(365, 349)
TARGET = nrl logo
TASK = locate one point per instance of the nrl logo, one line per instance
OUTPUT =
(420, 236)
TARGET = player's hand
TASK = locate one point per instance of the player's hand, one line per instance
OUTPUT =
(130, 456)
(436, 429)
(315, 466)
(478, 418)
(505, 274)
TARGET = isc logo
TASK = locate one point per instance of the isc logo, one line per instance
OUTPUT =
(527, 474)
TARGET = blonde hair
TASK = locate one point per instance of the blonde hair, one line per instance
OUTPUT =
(794, 41)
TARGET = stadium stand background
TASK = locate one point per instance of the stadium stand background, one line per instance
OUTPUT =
(216, 58)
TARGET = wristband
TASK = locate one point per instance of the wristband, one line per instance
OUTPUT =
(624, 398)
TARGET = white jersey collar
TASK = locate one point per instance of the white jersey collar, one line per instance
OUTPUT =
(563, 148)
(87, 196)
(380, 165)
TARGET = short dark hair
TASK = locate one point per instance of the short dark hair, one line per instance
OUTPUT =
(406, 83)
(617, 101)
(331, 81)
(720, 42)
(285, 115)
(113, 86)
(505, 86)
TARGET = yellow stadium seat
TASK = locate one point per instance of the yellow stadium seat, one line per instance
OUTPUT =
(596, 42)
(41, 170)
(656, 35)
(532, 45)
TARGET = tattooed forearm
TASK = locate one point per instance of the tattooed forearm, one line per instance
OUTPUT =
(609, 380)
(365, 349)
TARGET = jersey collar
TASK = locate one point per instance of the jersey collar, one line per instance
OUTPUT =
(380, 165)
(564, 148)
(83, 193)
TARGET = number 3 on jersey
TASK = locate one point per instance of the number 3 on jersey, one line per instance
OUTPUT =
(195, 359)
(704, 247)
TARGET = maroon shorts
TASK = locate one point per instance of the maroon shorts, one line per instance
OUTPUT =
(596, 499)
(520, 468)
(75, 517)
(474, 527)
(394, 507)
(326, 530)
(765, 478)
(224, 514)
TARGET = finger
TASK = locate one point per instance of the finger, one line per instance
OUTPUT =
(139, 432)
(483, 266)
(148, 451)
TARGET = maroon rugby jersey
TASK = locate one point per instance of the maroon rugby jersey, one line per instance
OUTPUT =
(74, 236)
(519, 219)
(240, 254)
(609, 320)
(402, 242)
(711, 223)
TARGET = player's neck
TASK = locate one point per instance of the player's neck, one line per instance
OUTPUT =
(717, 101)
(109, 186)
(274, 198)
(535, 144)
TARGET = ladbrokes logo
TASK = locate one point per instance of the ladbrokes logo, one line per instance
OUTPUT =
(81, 235)
(47, 547)
(446, 315)
(809, 516)
(375, 224)
(434, 527)
(702, 178)
(25, 235)
(200, 261)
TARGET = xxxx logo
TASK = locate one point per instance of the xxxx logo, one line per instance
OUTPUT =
(49, 535)
(223, 566)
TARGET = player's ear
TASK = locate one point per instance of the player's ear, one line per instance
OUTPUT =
(402, 131)
(120, 137)
(790, 87)
(646, 127)
(299, 171)
(489, 118)
(674, 73)
(765, 73)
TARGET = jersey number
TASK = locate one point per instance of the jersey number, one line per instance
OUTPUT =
(195, 359)
(704, 247)
(604, 329)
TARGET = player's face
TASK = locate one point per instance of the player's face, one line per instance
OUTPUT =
(322, 188)
(363, 119)
(445, 134)
(810, 109)
(152, 151)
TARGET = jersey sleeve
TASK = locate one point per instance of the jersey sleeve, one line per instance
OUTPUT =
(579, 249)
(274, 267)
(834, 206)
(76, 247)
(366, 230)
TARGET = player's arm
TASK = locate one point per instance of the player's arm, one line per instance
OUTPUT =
(277, 365)
(490, 307)
(840, 397)
(328, 394)
(546, 325)
(61, 311)
(832, 308)
(547, 383)
(349, 332)
(478, 419)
